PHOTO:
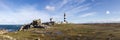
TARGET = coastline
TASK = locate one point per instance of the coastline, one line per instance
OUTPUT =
(10, 28)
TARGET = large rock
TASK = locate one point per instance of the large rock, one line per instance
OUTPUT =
(34, 24)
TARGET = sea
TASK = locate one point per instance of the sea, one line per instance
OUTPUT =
(10, 28)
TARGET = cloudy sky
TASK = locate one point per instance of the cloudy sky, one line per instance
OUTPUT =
(78, 11)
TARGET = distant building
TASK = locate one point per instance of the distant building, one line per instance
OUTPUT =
(51, 19)
(50, 23)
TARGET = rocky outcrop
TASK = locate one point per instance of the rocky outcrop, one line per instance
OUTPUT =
(34, 24)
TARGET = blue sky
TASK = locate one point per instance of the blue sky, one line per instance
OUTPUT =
(78, 11)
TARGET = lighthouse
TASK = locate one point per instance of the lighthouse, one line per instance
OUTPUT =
(65, 18)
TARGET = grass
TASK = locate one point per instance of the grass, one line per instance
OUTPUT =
(70, 32)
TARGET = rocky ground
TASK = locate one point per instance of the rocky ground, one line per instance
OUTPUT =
(68, 32)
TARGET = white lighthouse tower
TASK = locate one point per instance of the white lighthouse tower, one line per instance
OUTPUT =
(65, 21)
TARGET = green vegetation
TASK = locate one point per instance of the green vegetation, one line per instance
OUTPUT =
(70, 32)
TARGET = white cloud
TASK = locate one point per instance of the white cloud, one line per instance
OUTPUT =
(63, 3)
(66, 5)
(26, 14)
(4, 6)
(88, 14)
(71, 7)
(107, 12)
(50, 8)
(22, 15)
